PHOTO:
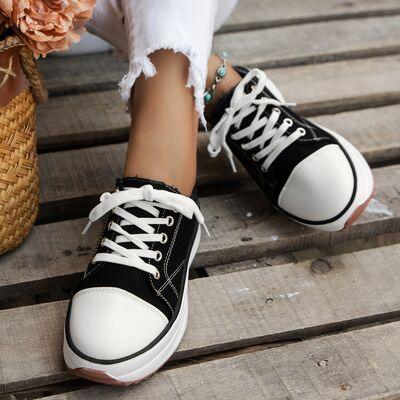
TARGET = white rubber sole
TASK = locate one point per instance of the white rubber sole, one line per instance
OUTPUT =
(365, 188)
(144, 365)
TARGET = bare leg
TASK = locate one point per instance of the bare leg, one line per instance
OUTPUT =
(231, 79)
(163, 137)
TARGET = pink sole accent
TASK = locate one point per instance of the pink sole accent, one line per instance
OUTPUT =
(102, 377)
(359, 210)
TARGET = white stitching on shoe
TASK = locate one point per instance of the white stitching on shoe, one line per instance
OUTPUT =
(169, 255)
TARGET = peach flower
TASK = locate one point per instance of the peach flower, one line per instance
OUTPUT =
(48, 25)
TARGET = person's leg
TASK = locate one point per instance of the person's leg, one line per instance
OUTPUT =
(230, 80)
(163, 137)
(128, 314)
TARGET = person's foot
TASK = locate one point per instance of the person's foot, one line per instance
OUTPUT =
(310, 173)
(128, 314)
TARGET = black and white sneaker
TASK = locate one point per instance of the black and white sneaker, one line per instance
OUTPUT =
(128, 314)
(310, 173)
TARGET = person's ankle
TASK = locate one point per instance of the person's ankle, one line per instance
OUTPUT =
(184, 183)
(230, 80)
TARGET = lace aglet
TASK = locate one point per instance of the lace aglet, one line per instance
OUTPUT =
(206, 229)
(86, 228)
(232, 163)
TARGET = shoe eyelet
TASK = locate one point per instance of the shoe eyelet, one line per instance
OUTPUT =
(109, 225)
(170, 220)
(157, 275)
(164, 238)
(276, 110)
(302, 131)
(254, 158)
(263, 169)
(288, 121)
(103, 242)
(158, 255)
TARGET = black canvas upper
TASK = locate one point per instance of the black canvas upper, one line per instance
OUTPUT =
(272, 181)
(164, 293)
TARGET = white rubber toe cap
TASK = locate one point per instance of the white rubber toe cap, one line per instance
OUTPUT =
(109, 323)
(320, 187)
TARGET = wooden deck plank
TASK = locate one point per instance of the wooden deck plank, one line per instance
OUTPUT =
(55, 251)
(252, 14)
(348, 246)
(337, 40)
(96, 118)
(363, 364)
(266, 48)
(234, 310)
(375, 132)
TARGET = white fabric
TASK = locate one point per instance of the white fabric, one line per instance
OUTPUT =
(146, 198)
(319, 187)
(109, 323)
(139, 27)
(241, 106)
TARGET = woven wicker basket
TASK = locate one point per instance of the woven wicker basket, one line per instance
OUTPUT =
(19, 178)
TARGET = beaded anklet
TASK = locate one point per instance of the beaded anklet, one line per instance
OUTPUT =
(221, 72)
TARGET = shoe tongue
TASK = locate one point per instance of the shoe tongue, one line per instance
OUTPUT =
(136, 182)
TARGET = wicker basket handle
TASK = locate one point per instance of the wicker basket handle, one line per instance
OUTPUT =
(29, 66)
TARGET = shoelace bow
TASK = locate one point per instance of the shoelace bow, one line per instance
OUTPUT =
(150, 200)
(242, 105)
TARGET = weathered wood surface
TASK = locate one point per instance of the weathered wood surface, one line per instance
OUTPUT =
(252, 14)
(266, 48)
(333, 40)
(245, 308)
(96, 118)
(242, 225)
(363, 364)
(322, 251)
(375, 132)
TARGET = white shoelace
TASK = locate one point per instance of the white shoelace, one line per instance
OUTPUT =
(150, 200)
(241, 106)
